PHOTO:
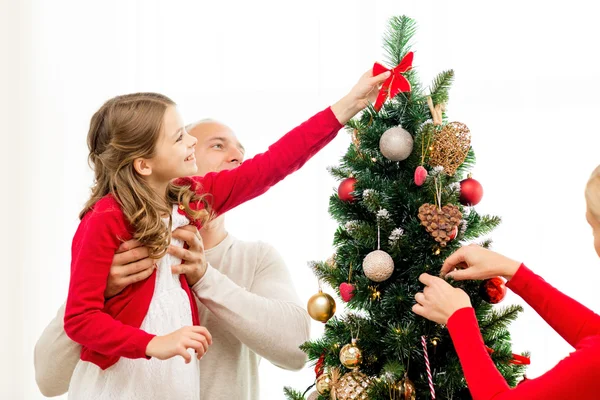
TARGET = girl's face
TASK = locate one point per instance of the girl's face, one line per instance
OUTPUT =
(595, 224)
(174, 155)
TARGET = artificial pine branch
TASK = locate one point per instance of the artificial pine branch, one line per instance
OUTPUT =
(339, 172)
(500, 319)
(468, 164)
(480, 225)
(292, 394)
(440, 87)
(396, 40)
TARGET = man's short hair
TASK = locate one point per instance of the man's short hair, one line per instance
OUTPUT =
(202, 121)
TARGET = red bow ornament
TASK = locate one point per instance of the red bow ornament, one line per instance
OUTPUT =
(396, 83)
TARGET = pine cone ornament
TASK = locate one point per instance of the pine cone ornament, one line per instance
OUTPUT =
(440, 223)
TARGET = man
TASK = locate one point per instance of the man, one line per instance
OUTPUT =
(245, 296)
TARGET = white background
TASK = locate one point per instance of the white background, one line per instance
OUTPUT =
(527, 84)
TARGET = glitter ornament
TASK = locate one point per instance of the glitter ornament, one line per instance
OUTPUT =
(352, 386)
(396, 144)
(378, 266)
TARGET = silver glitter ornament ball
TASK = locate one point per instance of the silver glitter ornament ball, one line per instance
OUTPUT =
(313, 396)
(396, 144)
(378, 266)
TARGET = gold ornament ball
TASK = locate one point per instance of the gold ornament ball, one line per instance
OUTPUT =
(353, 386)
(313, 396)
(404, 390)
(323, 384)
(321, 307)
(378, 266)
(351, 355)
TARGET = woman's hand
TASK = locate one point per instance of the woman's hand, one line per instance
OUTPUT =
(439, 300)
(476, 263)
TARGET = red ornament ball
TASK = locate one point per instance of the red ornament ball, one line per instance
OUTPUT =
(471, 192)
(346, 188)
(347, 291)
(493, 290)
(420, 175)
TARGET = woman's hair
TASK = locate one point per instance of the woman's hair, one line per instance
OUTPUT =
(123, 129)
(592, 193)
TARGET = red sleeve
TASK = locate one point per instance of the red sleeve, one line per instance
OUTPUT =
(97, 238)
(256, 175)
(575, 377)
(553, 306)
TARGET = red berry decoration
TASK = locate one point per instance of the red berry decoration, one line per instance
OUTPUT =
(346, 188)
(347, 291)
(420, 175)
(471, 192)
(493, 290)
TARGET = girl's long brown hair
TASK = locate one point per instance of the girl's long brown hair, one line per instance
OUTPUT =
(123, 129)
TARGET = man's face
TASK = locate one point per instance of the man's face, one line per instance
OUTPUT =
(595, 224)
(217, 149)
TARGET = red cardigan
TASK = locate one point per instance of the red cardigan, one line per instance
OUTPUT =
(109, 329)
(575, 377)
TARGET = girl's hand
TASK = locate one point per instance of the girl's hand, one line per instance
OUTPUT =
(364, 92)
(178, 343)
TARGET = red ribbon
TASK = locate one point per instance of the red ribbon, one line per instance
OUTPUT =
(396, 83)
(319, 367)
(516, 360)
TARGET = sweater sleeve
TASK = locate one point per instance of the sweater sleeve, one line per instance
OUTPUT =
(255, 176)
(553, 306)
(575, 377)
(94, 245)
(256, 316)
(55, 358)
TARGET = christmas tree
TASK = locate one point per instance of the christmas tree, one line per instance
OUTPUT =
(404, 204)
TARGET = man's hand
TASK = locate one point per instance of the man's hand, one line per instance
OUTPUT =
(194, 265)
(130, 264)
